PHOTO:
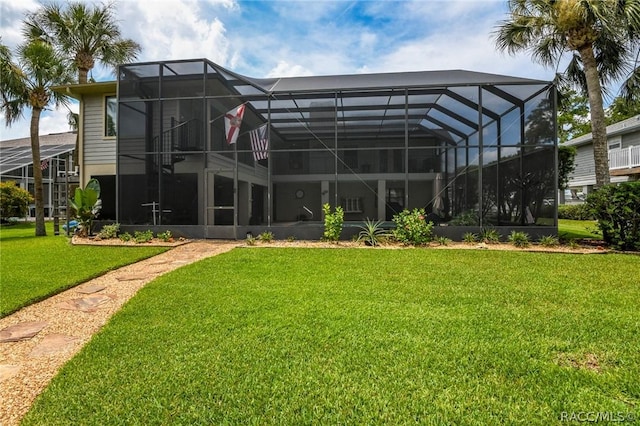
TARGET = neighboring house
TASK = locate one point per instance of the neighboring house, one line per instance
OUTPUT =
(473, 149)
(623, 139)
(56, 151)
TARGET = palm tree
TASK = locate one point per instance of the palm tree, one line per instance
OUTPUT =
(27, 84)
(604, 39)
(83, 33)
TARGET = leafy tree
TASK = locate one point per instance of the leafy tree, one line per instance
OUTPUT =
(14, 201)
(566, 164)
(87, 205)
(573, 116)
(621, 109)
(82, 33)
(604, 39)
(27, 84)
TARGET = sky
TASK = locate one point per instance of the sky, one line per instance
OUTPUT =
(282, 38)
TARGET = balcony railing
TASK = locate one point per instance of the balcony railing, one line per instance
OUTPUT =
(624, 158)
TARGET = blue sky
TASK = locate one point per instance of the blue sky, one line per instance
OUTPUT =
(291, 37)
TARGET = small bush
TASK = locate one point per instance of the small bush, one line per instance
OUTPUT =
(251, 240)
(165, 236)
(470, 237)
(14, 201)
(519, 239)
(443, 241)
(411, 227)
(291, 239)
(143, 236)
(549, 241)
(266, 237)
(332, 223)
(109, 231)
(574, 212)
(468, 218)
(490, 236)
(617, 210)
(126, 237)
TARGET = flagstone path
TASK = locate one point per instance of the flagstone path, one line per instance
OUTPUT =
(38, 339)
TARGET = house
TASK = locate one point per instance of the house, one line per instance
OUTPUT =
(56, 152)
(205, 152)
(623, 139)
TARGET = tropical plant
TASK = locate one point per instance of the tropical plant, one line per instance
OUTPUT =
(83, 33)
(125, 237)
(26, 84)
(372, 232)
(109, 231)
(443, 241)
(266, 236)
(470, 237)
(332, 223)
(549, 241)
(519, 239)
(411, 227)
(603, 37)
(490, 236)
(165, 236)
(14, 201)
(87, 204)
(141, 237)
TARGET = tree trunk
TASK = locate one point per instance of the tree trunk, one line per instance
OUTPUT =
(598, 123)
(37, 172)
(82, 75)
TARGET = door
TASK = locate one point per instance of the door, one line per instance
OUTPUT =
(220, 198)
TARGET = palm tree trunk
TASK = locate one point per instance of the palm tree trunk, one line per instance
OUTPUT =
(598, 123)
(82, 75)
(37, 172)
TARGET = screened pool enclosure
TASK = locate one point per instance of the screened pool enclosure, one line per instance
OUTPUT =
(474, 150)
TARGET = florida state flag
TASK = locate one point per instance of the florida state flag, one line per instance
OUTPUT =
(232, 122)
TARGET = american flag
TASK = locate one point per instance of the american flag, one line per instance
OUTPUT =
(260, 143)
(44, 164)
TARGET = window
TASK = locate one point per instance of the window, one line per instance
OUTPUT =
(352, 205)
(110, 116)
(615, 143)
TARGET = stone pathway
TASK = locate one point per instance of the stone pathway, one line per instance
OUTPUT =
(38, 339)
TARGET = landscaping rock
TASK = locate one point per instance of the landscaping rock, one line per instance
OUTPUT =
(85, 304)
(21, 331)
(8, 371)
(54, 343)
(91, 288)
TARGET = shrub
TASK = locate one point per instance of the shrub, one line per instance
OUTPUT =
(574, 212)
(266, 236)
(165, 236)
(470, 237)
(371, 232)
(251, 240)
(143, 236)
(617, 210)
(443, 241)
(14, 201)
(126, 237)
(291, 239)
(549, 241)
(332, 223)
(411, 227)
(519, 239)
(490, 236)
(109, 231)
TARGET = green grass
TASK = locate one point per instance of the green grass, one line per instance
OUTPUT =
(570, 229)
(335, 336)
(34, 268)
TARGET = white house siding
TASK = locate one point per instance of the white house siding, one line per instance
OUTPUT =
(97, 148)
(631, 139)
(585, 167)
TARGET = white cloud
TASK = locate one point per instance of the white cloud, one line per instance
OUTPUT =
(285, 69)
(51, 121)
(11, 16)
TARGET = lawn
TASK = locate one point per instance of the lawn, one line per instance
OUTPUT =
(570, 229)
(34, 268)
(334, 336)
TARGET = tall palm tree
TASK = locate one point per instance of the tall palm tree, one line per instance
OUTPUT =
(603, 37)
(83, 33)
(27, 84)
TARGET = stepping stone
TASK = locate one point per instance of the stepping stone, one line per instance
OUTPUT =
(137, 277)
(54, 343)
(22, 331)
(91, 288)
(8, 371)
(85, 304)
